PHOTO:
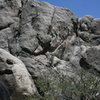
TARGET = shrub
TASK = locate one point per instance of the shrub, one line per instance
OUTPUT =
(56, 86)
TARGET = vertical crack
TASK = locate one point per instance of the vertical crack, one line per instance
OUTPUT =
(50, 26)
(75, 26)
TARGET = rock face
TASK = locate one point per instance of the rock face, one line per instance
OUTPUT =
(92, 58)
(41, 37)
(22, 79)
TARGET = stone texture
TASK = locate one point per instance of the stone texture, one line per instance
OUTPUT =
(92, 58)
(12, 65)
(97, 26)
(89, 30)
(45, 38)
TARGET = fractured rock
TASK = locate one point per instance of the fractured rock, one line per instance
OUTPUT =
(92, 58)
(23, 81)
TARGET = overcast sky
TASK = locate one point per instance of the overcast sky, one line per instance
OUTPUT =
(79, 7)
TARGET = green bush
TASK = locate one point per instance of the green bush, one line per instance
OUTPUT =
(56, 86)
(84, 86)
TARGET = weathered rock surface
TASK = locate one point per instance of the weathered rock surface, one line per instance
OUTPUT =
(92, 58)
(45, 38)
(22, 79)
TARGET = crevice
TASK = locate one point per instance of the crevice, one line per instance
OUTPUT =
(40, 53)
(87, 66)
(9, 48)
(46, 46)
(9, 62)
(6, 26)
(95, 37)
(36, 15)
(15, 38)
(53, 15)
(84, 64)
(50, 26)
(40, 91)
(97, 71)
(23, 2)
(33, 19)
(33, 53)
(7, 71)
(75, 26)
(26, 50)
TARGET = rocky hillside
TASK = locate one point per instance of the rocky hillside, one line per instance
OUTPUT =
(42, 45)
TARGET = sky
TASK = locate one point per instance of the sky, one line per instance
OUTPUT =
(79, 7)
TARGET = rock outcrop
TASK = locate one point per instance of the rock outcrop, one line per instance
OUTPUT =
(91, 57)
(22, 81)
(39, 37)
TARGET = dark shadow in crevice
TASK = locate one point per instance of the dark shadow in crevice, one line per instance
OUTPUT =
(40, 91)
(46, 47)
(7, 71)
(6, 26)
(84, 64)
(75, 26)
(9, 62)
(87, 66)
(26, 50)
(40, 53)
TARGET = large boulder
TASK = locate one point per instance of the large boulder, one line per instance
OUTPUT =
(91, 58)
(97, 26)
(22, 79)
(44, 25)
(88, 30)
